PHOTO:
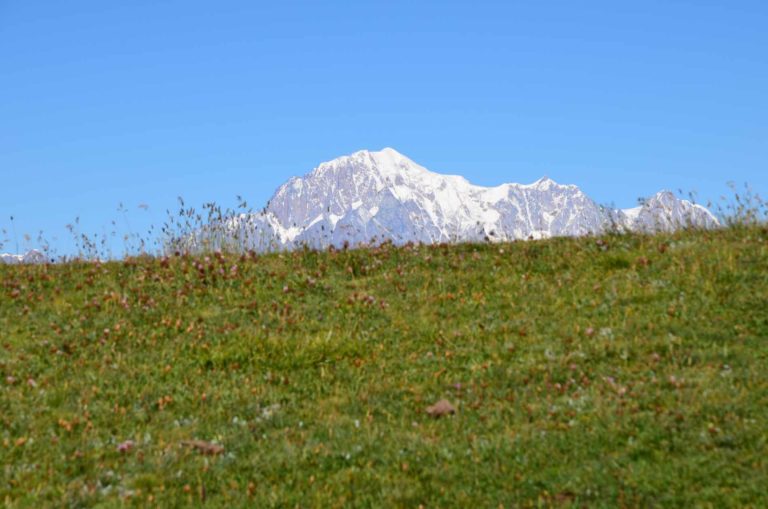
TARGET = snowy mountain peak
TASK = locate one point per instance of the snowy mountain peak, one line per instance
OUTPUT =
(387, 163)
(384, 195)
(30, 257)
(665, 212)
(545, 183)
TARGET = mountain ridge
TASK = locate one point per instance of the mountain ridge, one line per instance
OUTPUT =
(375, 196)
(33, 256)
(383, 195)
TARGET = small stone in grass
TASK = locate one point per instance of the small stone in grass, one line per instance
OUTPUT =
(441, 408)
(204, 447)
(125, 446)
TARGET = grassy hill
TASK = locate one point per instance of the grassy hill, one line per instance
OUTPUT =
(613, 371)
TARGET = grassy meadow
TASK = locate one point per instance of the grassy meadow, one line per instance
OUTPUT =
(613, 371)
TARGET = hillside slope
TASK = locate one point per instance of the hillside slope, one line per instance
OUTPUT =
(622, 370)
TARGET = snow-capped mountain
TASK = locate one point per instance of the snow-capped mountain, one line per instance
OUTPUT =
(665, 212)
(376, 196)
(33, 256)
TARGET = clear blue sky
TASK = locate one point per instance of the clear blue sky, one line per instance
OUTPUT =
(142, 101)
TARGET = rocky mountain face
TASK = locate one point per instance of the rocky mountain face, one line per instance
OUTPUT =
(376, 196)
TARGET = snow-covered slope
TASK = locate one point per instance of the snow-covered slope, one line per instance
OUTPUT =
(665, 212)
(377, 196)
(32, 256)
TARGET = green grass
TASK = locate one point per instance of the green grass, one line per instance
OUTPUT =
(620, 371)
